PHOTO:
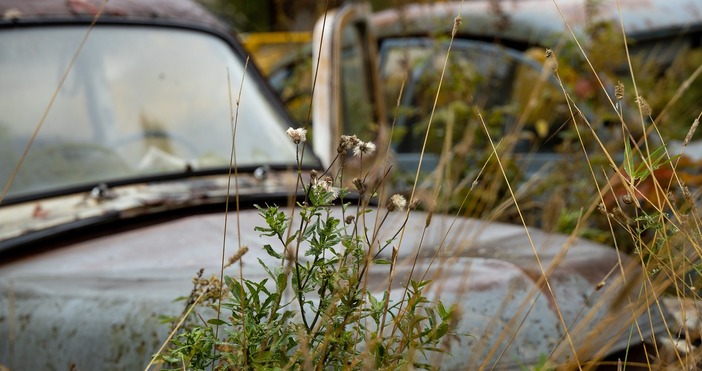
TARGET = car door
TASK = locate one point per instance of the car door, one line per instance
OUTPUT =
(347, 99)
(358, 88)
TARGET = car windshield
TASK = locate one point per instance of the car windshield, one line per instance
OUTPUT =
(497, 80)
(138, 102)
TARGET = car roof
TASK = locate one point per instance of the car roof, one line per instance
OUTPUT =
(146, 11)
(535, 22)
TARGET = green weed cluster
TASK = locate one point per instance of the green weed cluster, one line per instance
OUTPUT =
(316, 309)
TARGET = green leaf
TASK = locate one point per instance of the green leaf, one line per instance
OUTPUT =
(440, 331)
(443, 313)
(291, 238)
(281, 282)
(271, 252)
(382, 261)
(232, 284)
(217, 322)
(628, 159)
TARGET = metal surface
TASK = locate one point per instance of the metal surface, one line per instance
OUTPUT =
(537, 22)
(151, 10)
(23, 220)
(102, 296)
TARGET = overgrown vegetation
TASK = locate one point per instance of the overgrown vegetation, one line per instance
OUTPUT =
(316, 308)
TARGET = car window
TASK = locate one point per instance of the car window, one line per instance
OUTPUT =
(506, 86)
(356, 91)
(138, 101)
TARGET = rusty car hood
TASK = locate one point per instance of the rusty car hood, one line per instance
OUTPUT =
(109, 290)
(22, 224)
(179, 10)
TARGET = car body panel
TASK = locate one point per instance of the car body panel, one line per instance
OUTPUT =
(516, 27)
(535, 22)
(179, 10)
(132, 277)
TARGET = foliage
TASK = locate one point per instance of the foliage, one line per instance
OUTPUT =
(314, 310)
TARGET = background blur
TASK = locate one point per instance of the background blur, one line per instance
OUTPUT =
(283, 15)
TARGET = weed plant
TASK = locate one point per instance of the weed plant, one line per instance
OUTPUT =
(315, 309)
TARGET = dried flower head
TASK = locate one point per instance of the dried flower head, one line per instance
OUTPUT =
(643, 104)
(360, 186)
(456, 23)
(691, 132)
(430, 214)
(397, 202)
(237, 256)
(349, 219)
(551, 60)
(620, 216)
(298, 135)
(346, 143)
(364, 148)
(327, 185)
(619, 90)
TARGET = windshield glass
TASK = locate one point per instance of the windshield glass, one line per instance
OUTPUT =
(509, 89)
(139, 101)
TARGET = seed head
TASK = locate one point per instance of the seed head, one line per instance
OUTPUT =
(645, 108)
(619, 90)
(236, 257)
(364, 148)
(430, 215)
(397, 202)
(551, 60)
(691, 132)
(360, 186)
(349, 219)
(456, 23)
(346, 143)
(620, 216)
(327, 185)
(298, 135)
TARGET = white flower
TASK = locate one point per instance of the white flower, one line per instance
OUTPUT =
(397, 202)
(326, 185)
(298, 135)
(364, 148)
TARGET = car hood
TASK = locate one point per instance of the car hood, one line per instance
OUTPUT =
(23, 224)
(164, 10)
(537, 21)
(96, 303)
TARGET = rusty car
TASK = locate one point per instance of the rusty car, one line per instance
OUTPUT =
(116, 138)
(495, 68)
